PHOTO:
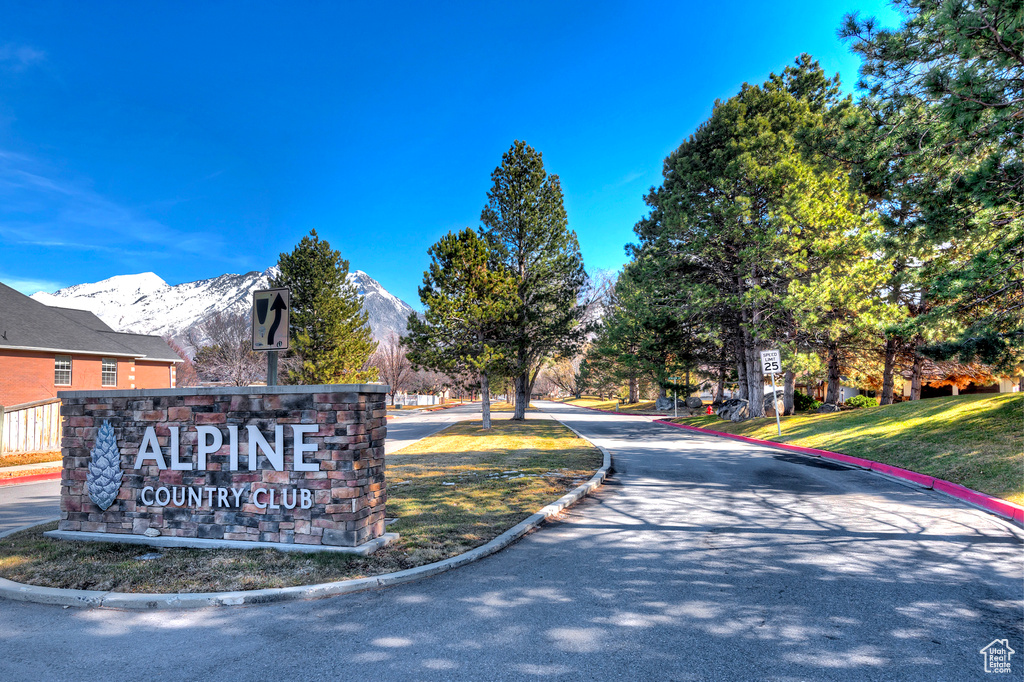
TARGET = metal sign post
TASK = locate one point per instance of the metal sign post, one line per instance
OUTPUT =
(270, 317)
(272, 368)
(675, 392)
(771, 363)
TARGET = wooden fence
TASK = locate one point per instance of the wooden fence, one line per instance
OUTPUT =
(416, 400)
(30, 427)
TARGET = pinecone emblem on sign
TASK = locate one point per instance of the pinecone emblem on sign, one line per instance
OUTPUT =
(104, 477)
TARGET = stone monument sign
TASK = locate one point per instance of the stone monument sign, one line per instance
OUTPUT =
(274, 464)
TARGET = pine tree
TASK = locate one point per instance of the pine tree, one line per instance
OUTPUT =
(946, 101)
(525, 225)
(886, 169)
(330, 330)
(469, 299)
(752, 219)
(624, 335)
(641, 336)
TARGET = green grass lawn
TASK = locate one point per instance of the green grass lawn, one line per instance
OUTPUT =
(464, 486)
(976, 441)
(450, 492)
(610, 404)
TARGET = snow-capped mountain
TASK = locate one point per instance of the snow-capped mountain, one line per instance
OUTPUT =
(387, 312)
(146, 304)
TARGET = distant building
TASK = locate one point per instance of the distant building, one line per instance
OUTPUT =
(952, 378)
(44, 350)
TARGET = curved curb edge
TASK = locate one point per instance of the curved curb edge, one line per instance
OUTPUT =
(122, 600)
(12, 531)
(994, 505)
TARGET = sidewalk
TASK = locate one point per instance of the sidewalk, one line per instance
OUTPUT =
(29, 473)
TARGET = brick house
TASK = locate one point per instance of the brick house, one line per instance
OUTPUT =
(46, 349)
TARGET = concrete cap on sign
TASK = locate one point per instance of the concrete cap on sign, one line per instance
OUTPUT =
(228, 390)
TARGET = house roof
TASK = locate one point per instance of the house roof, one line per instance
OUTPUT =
(946, 369)
(83, 317)
(26, 324)
(149, 347)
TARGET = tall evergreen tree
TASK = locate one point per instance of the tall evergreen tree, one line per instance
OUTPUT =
(469, 299)
(750, 214)
(525, 224)
(950, 81)
(330, 330)
(624, 335)
(643, 336)
(886, 168)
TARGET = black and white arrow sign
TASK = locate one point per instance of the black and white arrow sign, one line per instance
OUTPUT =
(270, 308)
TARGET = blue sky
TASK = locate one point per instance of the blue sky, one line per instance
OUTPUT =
(194, 139)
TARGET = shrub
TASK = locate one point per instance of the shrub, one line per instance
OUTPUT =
(815, 404)
(803, 402)
(861, 401)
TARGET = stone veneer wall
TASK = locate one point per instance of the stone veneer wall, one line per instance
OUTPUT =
(348, 491)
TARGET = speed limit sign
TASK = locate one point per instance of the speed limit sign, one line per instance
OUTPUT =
(770, 361)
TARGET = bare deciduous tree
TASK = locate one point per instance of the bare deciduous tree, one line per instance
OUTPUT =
(566, 375)
(594, 299)
(185, 374)
(392, 365)
(429, 382)
(544, 386)
(223, 350)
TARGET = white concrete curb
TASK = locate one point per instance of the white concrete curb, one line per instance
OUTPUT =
(202, 543)
(121, 600)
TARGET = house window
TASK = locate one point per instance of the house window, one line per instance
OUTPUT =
(62, 370)
(108, 373)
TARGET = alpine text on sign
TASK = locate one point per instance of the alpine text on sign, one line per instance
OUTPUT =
(270, 309)
(771, 361)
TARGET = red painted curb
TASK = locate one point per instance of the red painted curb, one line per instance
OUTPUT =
(995, 505)
(921, 479)
(31, 478)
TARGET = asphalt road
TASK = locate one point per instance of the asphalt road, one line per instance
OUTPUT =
(700, 559)
(25, 503)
